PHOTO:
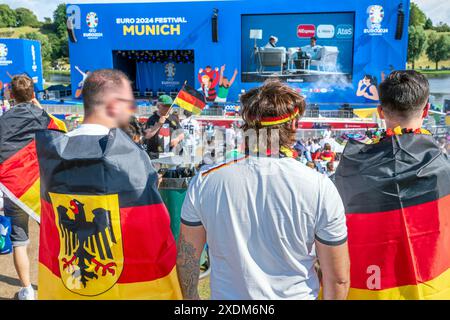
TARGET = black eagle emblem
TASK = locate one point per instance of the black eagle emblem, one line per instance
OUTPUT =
(78, 235)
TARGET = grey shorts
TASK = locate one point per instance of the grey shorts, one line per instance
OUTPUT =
(19, 223)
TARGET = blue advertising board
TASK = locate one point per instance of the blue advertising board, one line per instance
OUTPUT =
(20, 56)
(355, 45)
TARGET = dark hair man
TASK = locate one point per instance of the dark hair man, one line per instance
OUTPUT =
(264, 217)
(396, 194)
(160, 128)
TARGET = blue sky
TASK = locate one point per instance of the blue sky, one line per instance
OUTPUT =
(438, 10)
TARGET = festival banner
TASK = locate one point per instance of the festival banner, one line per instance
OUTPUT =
(19, 170)
(105, 232)
(397, 199)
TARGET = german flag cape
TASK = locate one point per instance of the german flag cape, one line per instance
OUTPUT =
(19, 170)
(397, 199)
(105, 232)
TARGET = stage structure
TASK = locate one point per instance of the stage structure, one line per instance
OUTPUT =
(333, 52)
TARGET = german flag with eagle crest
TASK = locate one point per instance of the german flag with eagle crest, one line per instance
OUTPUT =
(397, 199)
(105, 232)
(19, 169)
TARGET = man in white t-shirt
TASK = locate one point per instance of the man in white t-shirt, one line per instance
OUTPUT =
(264, 218)
(192, 134)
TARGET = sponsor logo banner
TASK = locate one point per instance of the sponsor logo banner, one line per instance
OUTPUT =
(306, 30)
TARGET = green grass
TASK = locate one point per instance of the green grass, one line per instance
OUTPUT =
(435, 72)
(16, 32)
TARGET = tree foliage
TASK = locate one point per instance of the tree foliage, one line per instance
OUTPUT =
(428, 24)
(26, 17)
(416, 43)
(416, 16)
(7, 16)
(438, 48)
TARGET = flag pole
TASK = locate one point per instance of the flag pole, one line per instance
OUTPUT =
(171, 106)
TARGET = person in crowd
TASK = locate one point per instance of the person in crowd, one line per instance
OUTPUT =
(330, 169)
(293, 209)
(163, 131)
(313, 51)
(272, 42)
(327, 154)
(192, 136)
(22, 91)
(135, 131)
(108, 103)
(442, 142)
(396, 194)
(311, 164)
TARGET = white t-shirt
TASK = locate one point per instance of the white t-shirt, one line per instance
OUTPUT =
(191, 129)
(89, 130)
(262, 217)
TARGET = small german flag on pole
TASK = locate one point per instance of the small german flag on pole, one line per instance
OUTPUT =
(190, 99)
(19, 169)
(105, 231)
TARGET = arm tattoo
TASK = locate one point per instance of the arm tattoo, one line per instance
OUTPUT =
(188, 269)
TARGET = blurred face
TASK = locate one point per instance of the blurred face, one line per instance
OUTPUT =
(121, 105)
(313, 42)
(225, 82)
(366, 81)
(163, 109)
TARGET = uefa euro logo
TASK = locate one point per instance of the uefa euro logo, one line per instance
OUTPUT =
(170, 70)
(376, 15)
(92, 20)
(3, 50)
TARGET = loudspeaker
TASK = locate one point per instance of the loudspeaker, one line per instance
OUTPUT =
(400, 22)
(214, 25)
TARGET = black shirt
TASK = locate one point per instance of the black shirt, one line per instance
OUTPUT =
(156, 143)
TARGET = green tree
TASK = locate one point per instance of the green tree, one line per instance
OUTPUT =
(442, 27)
(428, 24)
(438, 48)
(7, 16)
(416, 16)
(60, 20)
(416, 43)
(26, 17)
(46, 47)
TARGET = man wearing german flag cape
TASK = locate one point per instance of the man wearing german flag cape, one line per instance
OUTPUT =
(396, 194)
(19, 170)
(105, 232)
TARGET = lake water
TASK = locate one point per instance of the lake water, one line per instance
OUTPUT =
(439, 88)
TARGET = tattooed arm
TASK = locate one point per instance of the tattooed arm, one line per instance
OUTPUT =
(190, 247)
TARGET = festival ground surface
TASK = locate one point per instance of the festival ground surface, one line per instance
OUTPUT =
(9, 283)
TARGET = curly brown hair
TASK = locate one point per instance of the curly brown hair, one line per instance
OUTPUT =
(273, 99)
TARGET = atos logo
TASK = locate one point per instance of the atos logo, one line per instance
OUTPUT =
(306, 30)
(344, 31)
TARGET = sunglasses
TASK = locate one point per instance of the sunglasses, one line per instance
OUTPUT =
(132, 103)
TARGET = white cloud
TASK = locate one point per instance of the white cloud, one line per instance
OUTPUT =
(437, 10)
